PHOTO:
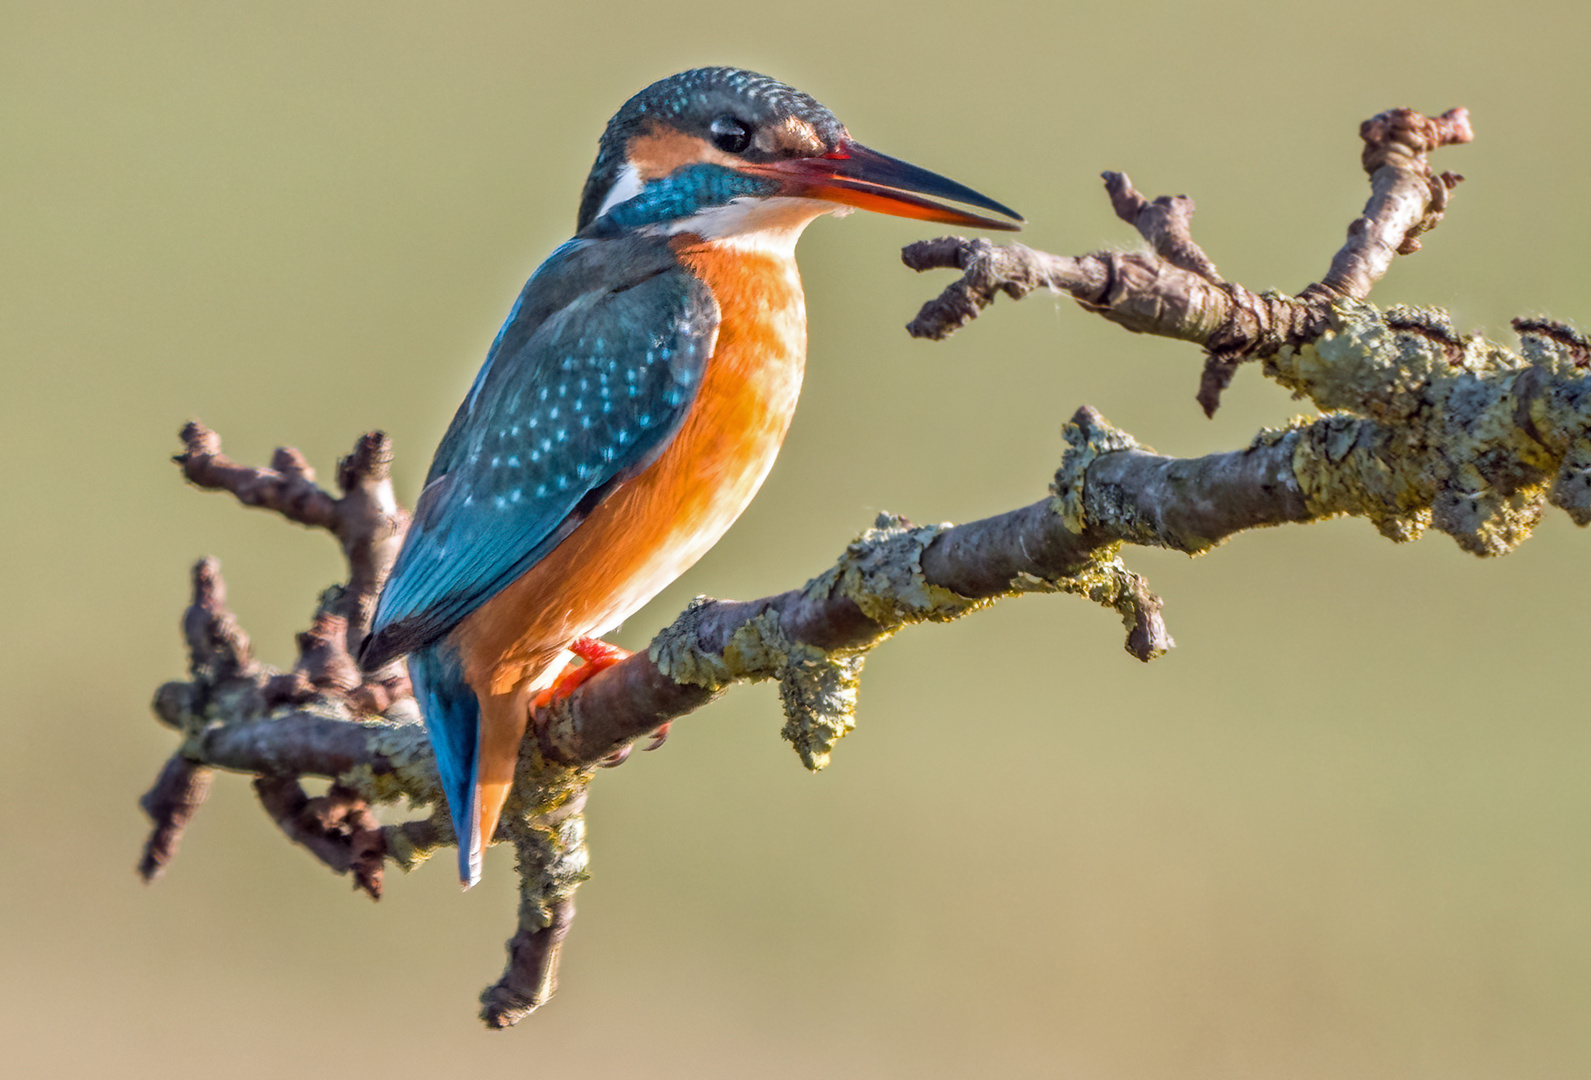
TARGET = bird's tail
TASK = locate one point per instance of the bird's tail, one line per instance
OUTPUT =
(452, 720)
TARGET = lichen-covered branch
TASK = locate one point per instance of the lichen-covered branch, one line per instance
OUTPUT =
(1422, 427)
(1174, 290)
(550, 849)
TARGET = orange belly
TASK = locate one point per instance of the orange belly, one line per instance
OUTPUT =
(652, 528)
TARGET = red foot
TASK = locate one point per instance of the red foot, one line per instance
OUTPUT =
(597, 656)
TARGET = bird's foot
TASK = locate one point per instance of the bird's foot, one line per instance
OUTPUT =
(595, 656)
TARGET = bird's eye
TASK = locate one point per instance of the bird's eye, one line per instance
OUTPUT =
(730, 135)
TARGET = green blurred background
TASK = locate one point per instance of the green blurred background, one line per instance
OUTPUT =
(1340, 831)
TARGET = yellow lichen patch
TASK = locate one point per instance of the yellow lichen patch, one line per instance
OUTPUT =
(1268, 437)
(818, 689)
(819, 692)
(752, 653)
(676, 653)
(882, 573)
(408, 751)
(1571, 487)
(403, 850)
(758, 649)
(543, 791)
(1361, 365)
(1088, 436)
(1459, 433)
(1349, 465)
(371, 786)
(544, 819)
(1107, 582)
(1486, 520)
(552, 861)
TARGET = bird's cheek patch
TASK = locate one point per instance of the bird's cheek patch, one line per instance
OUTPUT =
(658, 152)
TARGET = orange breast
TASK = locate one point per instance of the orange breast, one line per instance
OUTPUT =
(651, 529)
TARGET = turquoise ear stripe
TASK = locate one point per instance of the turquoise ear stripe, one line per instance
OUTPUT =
(682, 193)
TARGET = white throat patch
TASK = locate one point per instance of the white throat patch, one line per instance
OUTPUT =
(771, 225)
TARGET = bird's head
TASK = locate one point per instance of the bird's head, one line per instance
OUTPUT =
(722, 153)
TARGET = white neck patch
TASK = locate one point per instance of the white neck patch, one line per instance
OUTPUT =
(625, 187)
(771, 225)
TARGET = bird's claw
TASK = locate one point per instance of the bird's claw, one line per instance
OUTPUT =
(622, 754)
(617, 758)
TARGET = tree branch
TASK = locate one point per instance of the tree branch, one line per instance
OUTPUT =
(367, 520)
(1175, 291)
(1423, 427)
(178, 793)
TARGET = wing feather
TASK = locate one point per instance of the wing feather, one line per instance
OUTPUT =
(591, 375)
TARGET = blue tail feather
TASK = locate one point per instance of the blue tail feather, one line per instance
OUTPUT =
(452, 720)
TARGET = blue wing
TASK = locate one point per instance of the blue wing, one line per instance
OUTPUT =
(587, 381)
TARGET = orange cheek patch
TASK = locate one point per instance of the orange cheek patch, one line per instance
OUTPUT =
(660, 151)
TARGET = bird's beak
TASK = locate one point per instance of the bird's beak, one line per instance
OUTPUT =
(853, 175)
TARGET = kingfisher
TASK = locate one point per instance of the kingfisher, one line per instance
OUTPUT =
(626, 413)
